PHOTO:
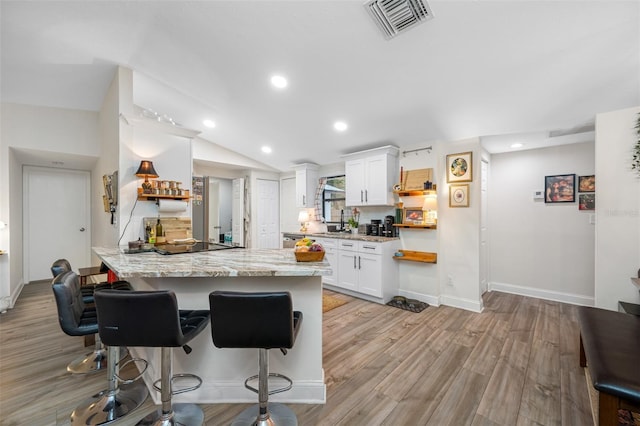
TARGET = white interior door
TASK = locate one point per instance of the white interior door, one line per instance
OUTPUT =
(56, 219)
(268, 219)
(237, 212)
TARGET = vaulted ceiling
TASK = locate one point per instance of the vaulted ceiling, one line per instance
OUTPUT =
(504, 70)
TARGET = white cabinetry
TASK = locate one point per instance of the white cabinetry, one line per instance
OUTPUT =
(331, 254)
(306, 184)
(370, 176)
(366, 269)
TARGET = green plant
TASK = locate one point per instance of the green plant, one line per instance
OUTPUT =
(635, 160)
(352, 222)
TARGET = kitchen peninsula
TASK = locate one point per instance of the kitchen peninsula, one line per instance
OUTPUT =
(192, 277)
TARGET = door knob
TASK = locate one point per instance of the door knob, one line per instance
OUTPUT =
(81, 229)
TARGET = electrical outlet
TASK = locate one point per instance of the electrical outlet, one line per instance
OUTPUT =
(450, 280)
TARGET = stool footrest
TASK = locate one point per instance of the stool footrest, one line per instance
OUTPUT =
(274, 391)
(129, 381)
(180, 376)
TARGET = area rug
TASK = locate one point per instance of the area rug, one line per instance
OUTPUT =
(412, 305)
(329, 302)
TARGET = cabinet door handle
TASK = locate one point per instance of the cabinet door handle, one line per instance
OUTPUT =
(304, 200)
(359, 265)
(368, 247)
(361, 195)
(354, 262)
(366, 196)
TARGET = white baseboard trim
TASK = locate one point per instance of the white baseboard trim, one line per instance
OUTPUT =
(431, 300)
(556, 296)
(459, 302)
(8, 302)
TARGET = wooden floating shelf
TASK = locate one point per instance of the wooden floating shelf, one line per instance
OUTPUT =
(415, 192)
(409, 225)
(417, 256)
(154, 197)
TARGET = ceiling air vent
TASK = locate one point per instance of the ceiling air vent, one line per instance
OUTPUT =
(395, 16)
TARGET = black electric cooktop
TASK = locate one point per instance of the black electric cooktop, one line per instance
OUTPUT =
(192, 248)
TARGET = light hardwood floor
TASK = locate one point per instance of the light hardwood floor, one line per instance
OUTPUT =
(514, 364)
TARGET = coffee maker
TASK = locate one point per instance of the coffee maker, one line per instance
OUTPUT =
(388, 230)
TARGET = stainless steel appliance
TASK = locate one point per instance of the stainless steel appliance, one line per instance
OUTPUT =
(289, 240)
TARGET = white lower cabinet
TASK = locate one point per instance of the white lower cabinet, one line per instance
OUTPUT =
(331, 254)
(367, 269)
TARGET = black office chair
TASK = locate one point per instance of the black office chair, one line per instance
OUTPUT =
(78, 319)
(263, 321)
(152, 319)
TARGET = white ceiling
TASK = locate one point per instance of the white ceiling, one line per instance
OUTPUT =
(508, 70)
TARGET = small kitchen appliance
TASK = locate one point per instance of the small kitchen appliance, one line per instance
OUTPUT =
(388, 230)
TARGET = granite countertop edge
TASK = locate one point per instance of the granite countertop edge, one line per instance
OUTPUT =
(344, 236)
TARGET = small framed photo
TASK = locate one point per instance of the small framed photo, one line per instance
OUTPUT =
(459, 167)
(587, 183)
(560, 189)
(587, 201)
(413, 216)
(459, 195)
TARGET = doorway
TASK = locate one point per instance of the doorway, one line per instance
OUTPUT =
(268, 217)
(56, 219)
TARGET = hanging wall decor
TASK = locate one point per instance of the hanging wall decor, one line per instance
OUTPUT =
(459, 167)
(560, 188)
(459, 195)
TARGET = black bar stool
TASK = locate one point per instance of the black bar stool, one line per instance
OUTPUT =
(152, 319)
(263, 321)
(78, 319)
(63, 265)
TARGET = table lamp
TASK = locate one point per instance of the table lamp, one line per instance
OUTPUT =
(303, 218)
(146, 171)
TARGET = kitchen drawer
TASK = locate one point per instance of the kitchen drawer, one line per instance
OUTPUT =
(327, 243)
(348, 245)
(370, 248)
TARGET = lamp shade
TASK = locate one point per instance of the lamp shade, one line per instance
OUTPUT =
(303, 216)
(146, 170)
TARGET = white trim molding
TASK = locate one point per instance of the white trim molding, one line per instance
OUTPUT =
(556, 296)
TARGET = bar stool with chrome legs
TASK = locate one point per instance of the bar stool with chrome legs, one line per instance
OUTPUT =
(152, 319)
(263, 321)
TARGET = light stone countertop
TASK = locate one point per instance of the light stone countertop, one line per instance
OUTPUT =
(222, 263)
(345, 236)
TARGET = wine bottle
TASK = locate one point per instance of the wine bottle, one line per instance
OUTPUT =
(159, 232)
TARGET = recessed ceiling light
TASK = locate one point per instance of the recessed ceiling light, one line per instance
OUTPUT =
(340, 126)
(266, 149)
(517, 145)
(209, 123)
(279, 81)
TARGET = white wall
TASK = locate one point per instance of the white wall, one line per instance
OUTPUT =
(537, 249)
(39, 134)
(459, 235)
(618, 209)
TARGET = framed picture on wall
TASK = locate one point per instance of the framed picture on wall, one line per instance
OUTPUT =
(413, 216)
(459, 167)
(587, 183)
(459, 195)
(560, 189)
(587, 201)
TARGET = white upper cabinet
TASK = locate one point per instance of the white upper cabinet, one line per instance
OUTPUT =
(306, 185)
(370, 176)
